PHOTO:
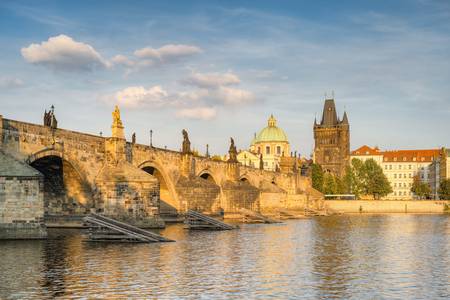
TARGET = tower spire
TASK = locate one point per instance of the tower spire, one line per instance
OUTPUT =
(345, 118)
(272, 122)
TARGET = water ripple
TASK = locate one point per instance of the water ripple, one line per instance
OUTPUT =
(350, 257)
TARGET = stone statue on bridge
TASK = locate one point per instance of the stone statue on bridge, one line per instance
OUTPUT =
(186, 148)
(133, 138)
(50, 119)
(261, 162)
(232, 152)
(116, 117)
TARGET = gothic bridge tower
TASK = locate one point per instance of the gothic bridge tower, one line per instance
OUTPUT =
(332, 140)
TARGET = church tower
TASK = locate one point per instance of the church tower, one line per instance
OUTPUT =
(332, 140)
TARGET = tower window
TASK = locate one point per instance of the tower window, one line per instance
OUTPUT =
(267, 149)
(278, 150)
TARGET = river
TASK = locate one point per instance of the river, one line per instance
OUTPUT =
(392, 256)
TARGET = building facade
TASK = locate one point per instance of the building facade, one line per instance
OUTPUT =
(440, 171)
(271, 142)
(332, 140)
(401, 166)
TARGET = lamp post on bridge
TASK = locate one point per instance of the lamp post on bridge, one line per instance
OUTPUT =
(151, 138)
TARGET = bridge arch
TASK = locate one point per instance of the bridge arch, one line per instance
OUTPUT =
(66, 191)
(207, 175)
(245, 179)
(169, 203)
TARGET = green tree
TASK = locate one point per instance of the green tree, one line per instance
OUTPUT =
(317, 177)
(374, 181)
(341, 187)
(354, 177)
(444, 189)
(420, 189)
(329, 184)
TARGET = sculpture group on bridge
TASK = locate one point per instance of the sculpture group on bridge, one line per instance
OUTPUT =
(232, 152)
(186, 147)
(49, 118)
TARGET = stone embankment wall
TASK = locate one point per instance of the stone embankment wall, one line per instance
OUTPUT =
(21, 200)
(387, 206)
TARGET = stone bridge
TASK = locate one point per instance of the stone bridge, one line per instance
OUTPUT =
(111, 175)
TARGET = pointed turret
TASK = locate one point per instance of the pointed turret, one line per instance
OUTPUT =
(329, 115)
(344, 119)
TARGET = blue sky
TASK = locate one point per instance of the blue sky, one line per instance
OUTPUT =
(220, 68)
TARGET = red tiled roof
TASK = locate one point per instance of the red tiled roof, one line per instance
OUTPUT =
(366, 150)
(427, 155)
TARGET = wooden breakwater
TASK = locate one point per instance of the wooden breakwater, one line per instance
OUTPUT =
(196, 220)
(104, 229)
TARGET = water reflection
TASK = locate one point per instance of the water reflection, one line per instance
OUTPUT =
(359, 257)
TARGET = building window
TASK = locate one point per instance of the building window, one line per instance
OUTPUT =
(390, 167)
(278, 150)
(385, 167)
(410, 167)
(395, 184)
(267, 149)
(400, 167)
(395, 175)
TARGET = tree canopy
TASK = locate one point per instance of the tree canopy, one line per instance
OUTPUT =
(420, 189)
(317, 177)
(360, 178)
(444, 189)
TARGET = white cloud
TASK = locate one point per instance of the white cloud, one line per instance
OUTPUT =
(234, 96)
(212, 80)
(197, 113)
(215, 87)
(150, 57)
(138, 96)
(167, 53)
(10, 82)
(122, 60)
(63, 53)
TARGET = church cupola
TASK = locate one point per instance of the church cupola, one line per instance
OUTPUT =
(272, 122)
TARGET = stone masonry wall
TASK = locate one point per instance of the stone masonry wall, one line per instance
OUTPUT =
(21, 208)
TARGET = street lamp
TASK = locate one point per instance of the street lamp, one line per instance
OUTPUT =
(151, 138)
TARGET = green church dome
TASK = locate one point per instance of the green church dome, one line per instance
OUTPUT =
(271, 133)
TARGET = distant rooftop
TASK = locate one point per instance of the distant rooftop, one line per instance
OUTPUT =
(419, 155)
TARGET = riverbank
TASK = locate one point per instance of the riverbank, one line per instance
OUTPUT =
(388, 206)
